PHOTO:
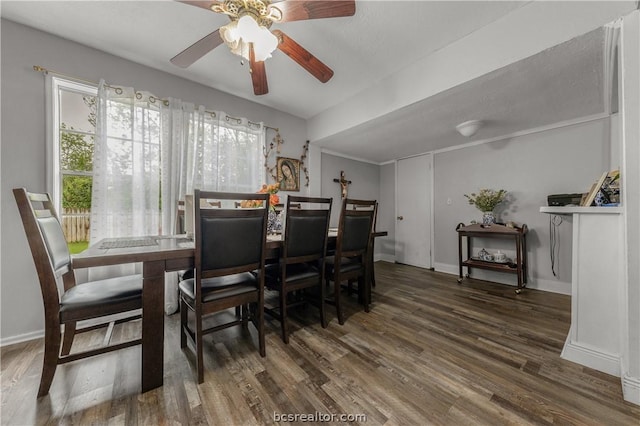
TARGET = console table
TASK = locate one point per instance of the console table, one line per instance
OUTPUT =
(517, 234)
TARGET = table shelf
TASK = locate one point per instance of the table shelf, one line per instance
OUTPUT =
(518, 266)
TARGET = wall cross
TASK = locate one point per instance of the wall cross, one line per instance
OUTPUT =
(343, 184)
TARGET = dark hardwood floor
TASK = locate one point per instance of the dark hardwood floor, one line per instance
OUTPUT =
(429, 352)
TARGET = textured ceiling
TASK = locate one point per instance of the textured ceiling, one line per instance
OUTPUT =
(561, 83)
(382, 37)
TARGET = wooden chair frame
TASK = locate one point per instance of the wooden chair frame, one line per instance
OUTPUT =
(57, 348)
(201, 308)
(288, 260)
(357, 254)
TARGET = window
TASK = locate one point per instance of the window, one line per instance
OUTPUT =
(73, 108)
(123, 177)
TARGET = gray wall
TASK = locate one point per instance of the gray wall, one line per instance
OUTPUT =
(364, 177)
(23, 156)
(369, 182)
(564, 160)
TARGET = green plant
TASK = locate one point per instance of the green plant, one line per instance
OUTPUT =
(487, 199)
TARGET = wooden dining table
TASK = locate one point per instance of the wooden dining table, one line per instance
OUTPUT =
(158, 254)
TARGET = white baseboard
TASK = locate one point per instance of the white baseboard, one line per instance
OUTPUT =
(446, 268)
(384, 257)
(21, 338)
(631, 389)
(591, 357)
(560, 287)
(536, 284)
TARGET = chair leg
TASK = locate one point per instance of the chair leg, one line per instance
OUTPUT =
(362, 287)
(283, 316)
(244, 314)
(373, 275)
(260, 325)
(50, 361)
(323, 315)
(372, 278)
(336, 285)
(67, 337)
(199, 349)
(183, 323)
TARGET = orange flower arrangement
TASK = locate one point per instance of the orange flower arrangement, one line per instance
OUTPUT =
(266, 189)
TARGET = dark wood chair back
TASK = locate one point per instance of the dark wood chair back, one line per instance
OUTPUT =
(306, 229)
(279, 207)
(229, 268)
(229, 241)
(353, 247)
(66, 304)
(355, 227)
(301, 264)
(48, 247)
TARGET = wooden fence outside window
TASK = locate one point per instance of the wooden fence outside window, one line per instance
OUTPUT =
(76, 224)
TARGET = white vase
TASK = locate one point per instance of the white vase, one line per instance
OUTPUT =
(488, 218)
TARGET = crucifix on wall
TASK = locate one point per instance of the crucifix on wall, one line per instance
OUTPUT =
(343, 184)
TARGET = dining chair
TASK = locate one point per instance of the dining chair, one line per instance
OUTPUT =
(301, 263)
(351, 259)
(229, 269)
(371, 252)
(66, 303)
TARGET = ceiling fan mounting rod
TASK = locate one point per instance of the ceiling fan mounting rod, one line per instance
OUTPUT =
(262, 11)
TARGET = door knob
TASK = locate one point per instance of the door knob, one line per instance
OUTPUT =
(400, 217)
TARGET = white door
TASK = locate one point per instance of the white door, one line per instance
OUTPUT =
(413, 211)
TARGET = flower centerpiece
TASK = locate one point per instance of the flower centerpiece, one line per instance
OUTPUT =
(266, 189)
(486, 200)
(274, 221)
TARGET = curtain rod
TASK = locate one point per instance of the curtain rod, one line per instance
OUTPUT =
(44, 70)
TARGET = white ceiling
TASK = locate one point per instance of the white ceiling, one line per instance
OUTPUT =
(382, 38)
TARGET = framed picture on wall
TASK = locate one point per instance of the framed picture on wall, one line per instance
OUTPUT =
(288, 174)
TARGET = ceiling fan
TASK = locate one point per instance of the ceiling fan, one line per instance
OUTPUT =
(248, 34)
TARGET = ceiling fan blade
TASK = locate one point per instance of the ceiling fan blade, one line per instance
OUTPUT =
(295, 10)
(258, 74)
(197, 50)
(305, 59)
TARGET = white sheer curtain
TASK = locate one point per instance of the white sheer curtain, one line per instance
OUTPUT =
(150, 153)
(126, 172)
(222, 153)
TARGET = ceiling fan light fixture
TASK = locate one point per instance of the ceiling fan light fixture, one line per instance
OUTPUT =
(469, 128)
(239, 33)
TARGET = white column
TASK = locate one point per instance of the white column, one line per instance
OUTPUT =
(630, 112)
